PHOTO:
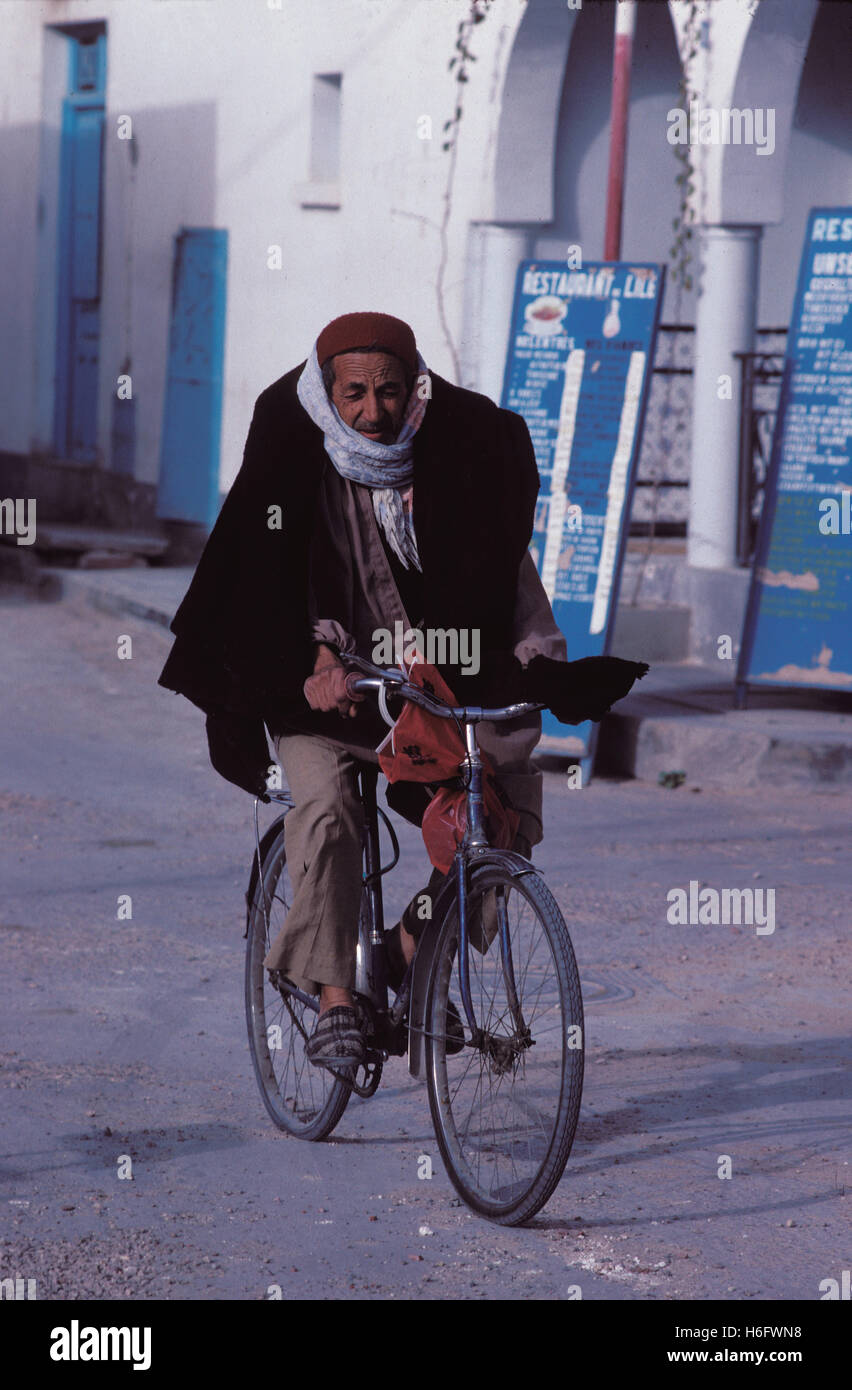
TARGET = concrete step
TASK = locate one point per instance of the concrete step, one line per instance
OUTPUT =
(152, 594)
(681, 718)
(54, 536)
(22, 573)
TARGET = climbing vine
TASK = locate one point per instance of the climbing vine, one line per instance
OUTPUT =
(459, 64)
(680, 251)
(672, 426)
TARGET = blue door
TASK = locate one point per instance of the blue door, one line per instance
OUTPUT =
(78, 317)
(192, 412)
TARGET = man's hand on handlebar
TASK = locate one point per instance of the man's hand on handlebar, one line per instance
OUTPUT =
(326, 689)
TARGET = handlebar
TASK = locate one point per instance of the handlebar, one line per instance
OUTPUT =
(366, 677)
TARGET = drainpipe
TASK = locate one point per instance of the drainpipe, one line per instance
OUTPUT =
(625, 27)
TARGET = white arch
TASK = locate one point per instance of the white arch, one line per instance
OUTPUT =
(529, 112)
(767, 77)
(524, 180)
(745, 190)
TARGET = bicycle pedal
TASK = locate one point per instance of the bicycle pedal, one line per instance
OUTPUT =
(372, 1069)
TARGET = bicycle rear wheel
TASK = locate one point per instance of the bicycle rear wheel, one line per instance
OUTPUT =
(505, 1108)
(305, 1100)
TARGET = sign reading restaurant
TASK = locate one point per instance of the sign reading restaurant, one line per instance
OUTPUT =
(581, 348)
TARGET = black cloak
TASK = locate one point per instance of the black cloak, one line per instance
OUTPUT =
(243, 646)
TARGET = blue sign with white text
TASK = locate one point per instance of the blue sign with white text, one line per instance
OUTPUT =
(798, 626)
(580, 355)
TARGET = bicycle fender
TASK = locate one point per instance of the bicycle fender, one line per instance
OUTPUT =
(514, 864)
(422, 975)
(269, 836)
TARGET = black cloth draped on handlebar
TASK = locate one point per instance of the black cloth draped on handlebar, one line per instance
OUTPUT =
(573, 690)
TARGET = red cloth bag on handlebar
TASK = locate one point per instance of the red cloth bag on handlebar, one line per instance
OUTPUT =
(421, 747)
(445, 821)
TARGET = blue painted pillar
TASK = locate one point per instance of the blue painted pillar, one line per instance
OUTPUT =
(192, 411)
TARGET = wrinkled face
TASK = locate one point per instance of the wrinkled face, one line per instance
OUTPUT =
(370, 393)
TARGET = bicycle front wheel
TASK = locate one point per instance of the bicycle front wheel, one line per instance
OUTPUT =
(505, 1106)
(305, 1100)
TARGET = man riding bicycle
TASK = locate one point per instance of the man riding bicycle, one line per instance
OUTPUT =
(372, 494)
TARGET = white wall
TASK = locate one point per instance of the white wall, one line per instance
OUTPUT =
(820, 159)
(220, 97)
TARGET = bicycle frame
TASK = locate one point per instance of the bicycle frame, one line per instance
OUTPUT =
(371, 963)
(371, 978)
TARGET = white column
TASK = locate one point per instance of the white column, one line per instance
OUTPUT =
(724, 324)
(493, 255)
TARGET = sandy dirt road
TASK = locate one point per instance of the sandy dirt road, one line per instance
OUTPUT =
(128, 1038)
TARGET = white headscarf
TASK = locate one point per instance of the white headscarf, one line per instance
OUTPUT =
(388, 469)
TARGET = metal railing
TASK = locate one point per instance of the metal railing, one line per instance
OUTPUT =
(663, 469)
(662, 474)
(760, 383)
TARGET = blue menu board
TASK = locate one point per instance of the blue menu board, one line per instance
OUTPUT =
(798, 624)
(580, 355)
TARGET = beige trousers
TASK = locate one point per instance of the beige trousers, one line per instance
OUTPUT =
(322, 841)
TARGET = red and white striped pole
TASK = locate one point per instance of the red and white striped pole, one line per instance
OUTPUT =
(625, 27)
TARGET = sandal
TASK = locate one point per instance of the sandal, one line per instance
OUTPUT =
(337, 1039)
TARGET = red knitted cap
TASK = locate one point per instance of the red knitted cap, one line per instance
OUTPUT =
(381, 332)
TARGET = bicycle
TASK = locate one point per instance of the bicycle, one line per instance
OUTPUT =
(505, 1104)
